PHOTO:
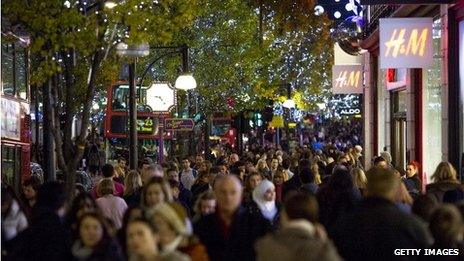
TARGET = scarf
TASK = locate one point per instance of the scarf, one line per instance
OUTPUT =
(268, 208)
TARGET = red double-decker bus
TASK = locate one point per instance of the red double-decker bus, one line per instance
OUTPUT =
(116, 124)
(15, 111)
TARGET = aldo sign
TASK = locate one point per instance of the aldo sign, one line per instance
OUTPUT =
(347, 79)
(406, 43)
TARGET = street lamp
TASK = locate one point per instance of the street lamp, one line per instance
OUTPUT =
(185, 81)
(133, 51)
(289, 103)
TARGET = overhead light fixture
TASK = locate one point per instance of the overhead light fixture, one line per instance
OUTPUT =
(289, 104)
(110, 4)
(186, 82)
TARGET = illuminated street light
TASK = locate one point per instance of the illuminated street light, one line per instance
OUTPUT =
(186, 82)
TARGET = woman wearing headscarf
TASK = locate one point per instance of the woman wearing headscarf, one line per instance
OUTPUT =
(264, 199)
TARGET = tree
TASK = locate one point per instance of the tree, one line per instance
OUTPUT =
(72, 49)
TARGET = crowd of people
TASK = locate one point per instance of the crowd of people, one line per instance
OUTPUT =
(311, 202)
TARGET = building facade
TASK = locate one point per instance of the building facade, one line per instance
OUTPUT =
(416, 113)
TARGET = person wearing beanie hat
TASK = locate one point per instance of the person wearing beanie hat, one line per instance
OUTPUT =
(175, 231)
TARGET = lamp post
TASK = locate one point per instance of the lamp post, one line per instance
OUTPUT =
(185, 82)
(132, 52)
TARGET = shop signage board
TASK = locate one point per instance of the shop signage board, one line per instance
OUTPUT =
(347, 79)
(176, 124)
(406, 43)
(397, 2)
(11, 119)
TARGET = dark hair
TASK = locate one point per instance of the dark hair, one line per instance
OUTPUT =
(108, 171)
(33, 182)
(286, 163)
(306, 175)
(379, 159)
(173, 183)
(186, 158)
(51, 196)
(301, 205)
(214, 170)
(145, 221)
(446, 226)
(121, 159)
(71, 217)
(423, 207)
(106, 236)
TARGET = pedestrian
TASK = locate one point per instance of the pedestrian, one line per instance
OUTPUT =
(444, 179)
(120, 170)
(174, 185)
(308, 180)
(112, 207)
(412, 180)
(264, 203)
(360, 180)
(300, 236)
(251, 182)
(150, 171)
(376, 227)
(204, 205)
(29, 196)
(13, 217)
(201, 184)
(156, 191)
(338, 197)
(93, 159)
(229, 233)
(183, 195)
(132, 188)
(94, 242)
(423, 207)
(46, 238)
(83, 203)
(278, 183)
(447, 228)
(175, 231)
(187, 175)
(142, 243)
(108, 174)
(403, 199)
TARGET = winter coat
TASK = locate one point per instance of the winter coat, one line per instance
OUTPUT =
(291, 243)
(238, 243)
(45, 239)
(438, 189)
(375, 229)
(14, 222)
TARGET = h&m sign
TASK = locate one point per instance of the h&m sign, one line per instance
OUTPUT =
(406, 43)
(347, 79)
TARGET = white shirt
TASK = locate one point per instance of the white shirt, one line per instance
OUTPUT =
(187, 179)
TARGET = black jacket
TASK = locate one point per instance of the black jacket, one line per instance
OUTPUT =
(375, 229)
(45, 239)
(243, 232)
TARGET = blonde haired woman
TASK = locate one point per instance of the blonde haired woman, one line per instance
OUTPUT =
(133, 188)
(444, 179)
(359, 179)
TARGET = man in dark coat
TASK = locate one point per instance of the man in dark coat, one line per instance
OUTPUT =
(46, 238)
(230, 233)
(377, 227)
